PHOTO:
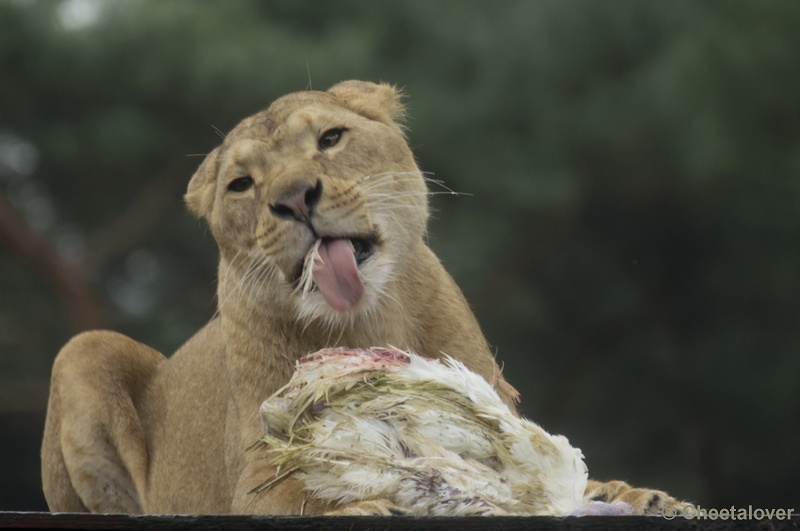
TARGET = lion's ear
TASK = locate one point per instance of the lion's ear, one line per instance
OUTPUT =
(200, 194)
(377, 102)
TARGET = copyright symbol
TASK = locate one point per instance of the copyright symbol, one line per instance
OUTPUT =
(669, 512)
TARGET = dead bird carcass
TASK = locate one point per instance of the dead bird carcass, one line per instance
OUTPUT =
(431, 437)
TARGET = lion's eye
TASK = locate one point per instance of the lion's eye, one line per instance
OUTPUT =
(241, 184)
(330, 138)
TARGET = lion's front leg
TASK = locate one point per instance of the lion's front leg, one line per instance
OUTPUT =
(643, 501)
(94, 454)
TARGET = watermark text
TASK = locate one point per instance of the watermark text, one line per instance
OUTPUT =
(696, 512)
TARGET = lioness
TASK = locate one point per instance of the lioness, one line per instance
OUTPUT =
(327, 174)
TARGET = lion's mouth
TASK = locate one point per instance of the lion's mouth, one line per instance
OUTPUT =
(363, 247)
(331, 267)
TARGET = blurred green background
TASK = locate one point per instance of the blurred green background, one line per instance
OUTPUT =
(631, 244)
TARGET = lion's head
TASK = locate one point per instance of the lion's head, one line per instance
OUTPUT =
(319, 187)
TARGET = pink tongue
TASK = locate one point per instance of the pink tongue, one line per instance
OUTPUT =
(337, 277)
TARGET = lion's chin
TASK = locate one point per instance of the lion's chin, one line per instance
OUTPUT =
(375, 273)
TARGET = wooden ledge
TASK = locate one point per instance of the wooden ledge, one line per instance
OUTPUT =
(119, 522)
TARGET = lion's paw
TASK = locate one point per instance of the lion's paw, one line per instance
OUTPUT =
(643, 501)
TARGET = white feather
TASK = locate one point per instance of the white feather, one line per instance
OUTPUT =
(432, 437)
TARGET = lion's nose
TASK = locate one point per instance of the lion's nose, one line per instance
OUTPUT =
(298, 204)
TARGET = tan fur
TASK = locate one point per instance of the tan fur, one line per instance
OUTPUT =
(643, 501)
(131, 431)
